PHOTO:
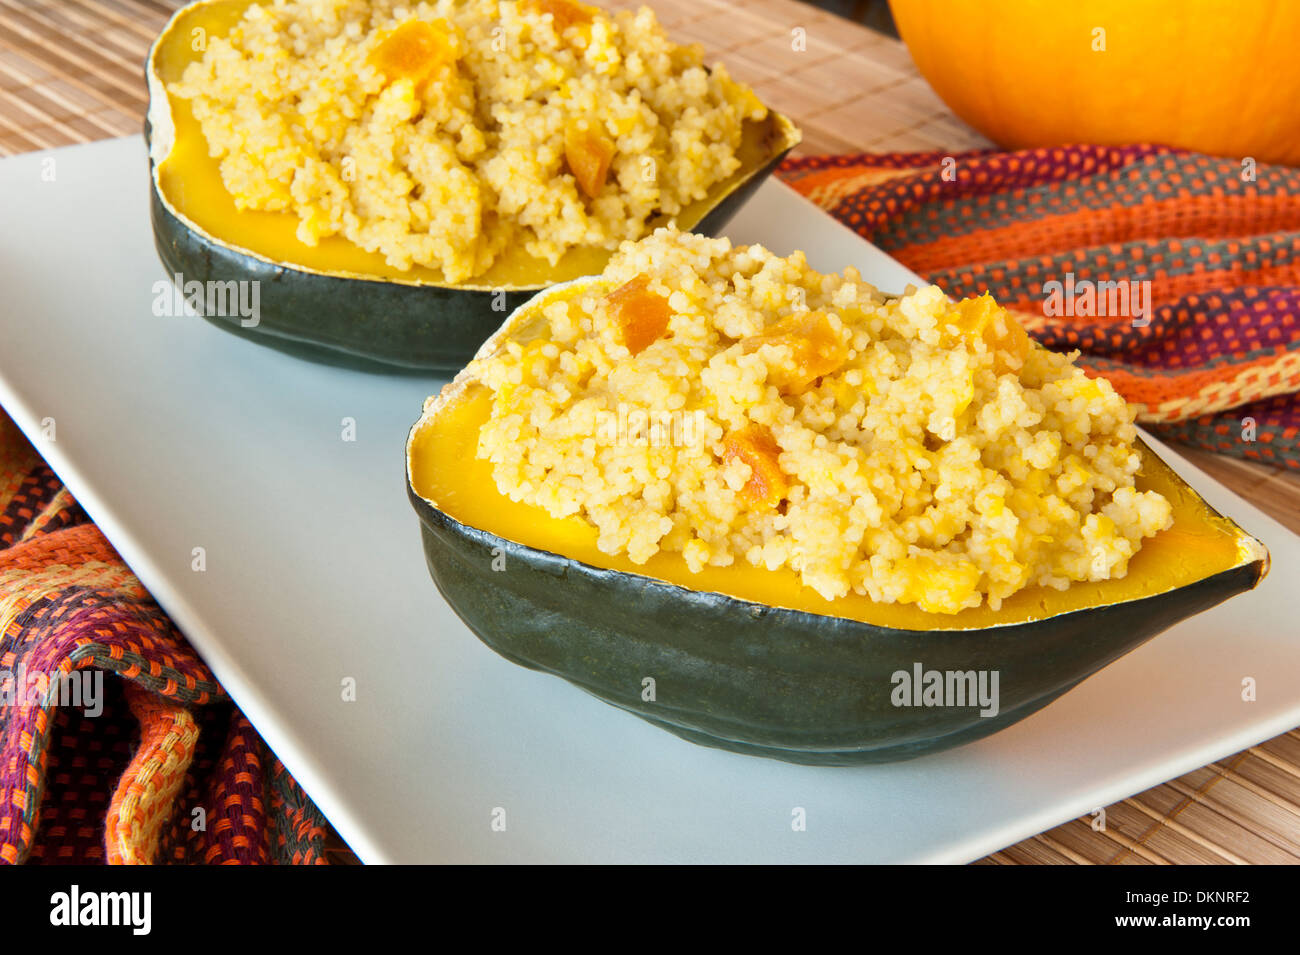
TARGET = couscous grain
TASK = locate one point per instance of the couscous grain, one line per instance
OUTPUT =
(914, 449)
(440, 133)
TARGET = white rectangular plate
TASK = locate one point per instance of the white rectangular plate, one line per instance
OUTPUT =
(176, 435)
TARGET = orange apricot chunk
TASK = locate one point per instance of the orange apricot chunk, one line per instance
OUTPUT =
(817, 350)
(984, 319)
(588, 151)
(564, 13)
(754, 445)
(414, 50)
(640, 314)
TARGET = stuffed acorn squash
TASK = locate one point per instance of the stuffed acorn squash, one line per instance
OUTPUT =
(396, 182)
(762, 507)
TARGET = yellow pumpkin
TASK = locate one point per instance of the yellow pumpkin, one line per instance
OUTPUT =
(1216, 76)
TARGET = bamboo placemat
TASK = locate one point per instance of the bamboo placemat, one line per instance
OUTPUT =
(70, 72)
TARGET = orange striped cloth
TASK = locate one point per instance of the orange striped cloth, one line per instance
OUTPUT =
(1176, 274)
(116, 742)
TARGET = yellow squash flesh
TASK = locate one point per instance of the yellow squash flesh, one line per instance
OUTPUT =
(445, 471)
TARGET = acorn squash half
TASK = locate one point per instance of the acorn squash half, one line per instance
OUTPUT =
(750, 660)
(335, 302)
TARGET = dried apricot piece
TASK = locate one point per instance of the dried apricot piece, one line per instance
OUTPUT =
(640, 314)
(564, 13)
(588, 151)
(984, 319)
(414, 50)
(754, 445)
(817, 350)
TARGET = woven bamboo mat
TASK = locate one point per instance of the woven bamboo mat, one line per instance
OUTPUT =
(70, 72)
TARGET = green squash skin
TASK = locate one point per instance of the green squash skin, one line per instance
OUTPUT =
(368, 325)
(767, 681)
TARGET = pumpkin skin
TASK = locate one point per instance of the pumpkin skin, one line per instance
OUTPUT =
(748, 661)
(335, 302)
(1215, 76)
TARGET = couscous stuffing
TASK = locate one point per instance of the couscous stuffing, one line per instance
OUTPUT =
(728, 404)
(440, 133)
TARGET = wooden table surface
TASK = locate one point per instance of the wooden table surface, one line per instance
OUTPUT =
(70, 72)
